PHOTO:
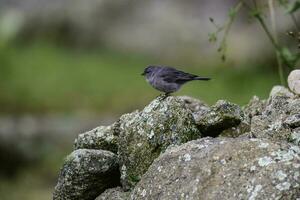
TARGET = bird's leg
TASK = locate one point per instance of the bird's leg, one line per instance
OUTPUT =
(164, 96)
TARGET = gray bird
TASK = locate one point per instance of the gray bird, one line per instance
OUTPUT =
(168, 79)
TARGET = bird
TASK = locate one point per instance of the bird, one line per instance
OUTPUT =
(168, 79)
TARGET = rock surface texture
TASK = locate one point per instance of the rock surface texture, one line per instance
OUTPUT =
(163, 152)
(223, 169)
(86, 173)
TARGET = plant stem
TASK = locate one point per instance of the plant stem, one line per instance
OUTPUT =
(278, 57)
(227, 28)
(294, 19)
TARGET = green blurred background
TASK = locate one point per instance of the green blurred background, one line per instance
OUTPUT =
(69, 66)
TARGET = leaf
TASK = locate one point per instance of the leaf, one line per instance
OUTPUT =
(255, 13)
(212, 37)
(232, 12)
(293, 7)
(289, 57)
(283, 2)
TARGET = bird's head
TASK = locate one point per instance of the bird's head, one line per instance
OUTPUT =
(148, 70)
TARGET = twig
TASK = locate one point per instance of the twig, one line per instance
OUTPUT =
(278, 57)
(227, 28)
(294, 19)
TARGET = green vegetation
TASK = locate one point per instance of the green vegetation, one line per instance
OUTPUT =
(286, 58)
(45, 78)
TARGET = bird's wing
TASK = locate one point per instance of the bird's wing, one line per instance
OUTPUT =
(175, 76)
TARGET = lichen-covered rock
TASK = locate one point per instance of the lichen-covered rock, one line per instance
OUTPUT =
(279, 90)
(223, 168)
(294, 81)
(223, 115)
(295, 137)
(101, 137)
(144, 135)
(255, 107)
(293, 121)
(236, 131)
(195, 105)
(113, 194)
(85, 174)
(280, 115)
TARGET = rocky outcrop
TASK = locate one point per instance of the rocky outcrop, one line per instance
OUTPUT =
(223, 168)
(158, 153)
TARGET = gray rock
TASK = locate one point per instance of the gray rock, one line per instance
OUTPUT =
(280, 114)
(293, 121)
(144, 135)
(113, 194)
(86, 174)
(255, 107)
(237, 131)
(223, 168)
(295, 136)
(195, 105)
(101, 137)
(279, 90)
(221, 116)
(294, 81)
(293, 106)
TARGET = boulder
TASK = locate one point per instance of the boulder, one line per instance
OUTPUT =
(86, 174)
(102, 137)
(223, 168)
(144, 135)
(223, 115)
(279, 116)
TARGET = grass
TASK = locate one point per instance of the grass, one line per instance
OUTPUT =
(45, 78)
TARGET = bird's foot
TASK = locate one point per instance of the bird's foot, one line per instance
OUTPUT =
(163, 96)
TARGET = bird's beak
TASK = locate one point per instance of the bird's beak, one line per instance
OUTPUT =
(143, 74)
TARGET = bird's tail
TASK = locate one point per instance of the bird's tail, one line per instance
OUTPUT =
(202, 78)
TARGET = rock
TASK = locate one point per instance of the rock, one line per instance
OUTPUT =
(253, 108)
(113, 194)
(293, 121)
(294, 81)
(144, 135)
(279, 90)
(86, 174)
(280, 115)
(195, 105)
(295, 137)
(101, 137)
(293, 106)
(221, 116)
(223, 168)
(237, 131)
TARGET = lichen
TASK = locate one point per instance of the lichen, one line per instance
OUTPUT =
(283, 186)
(255, 192)
(265, 161)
